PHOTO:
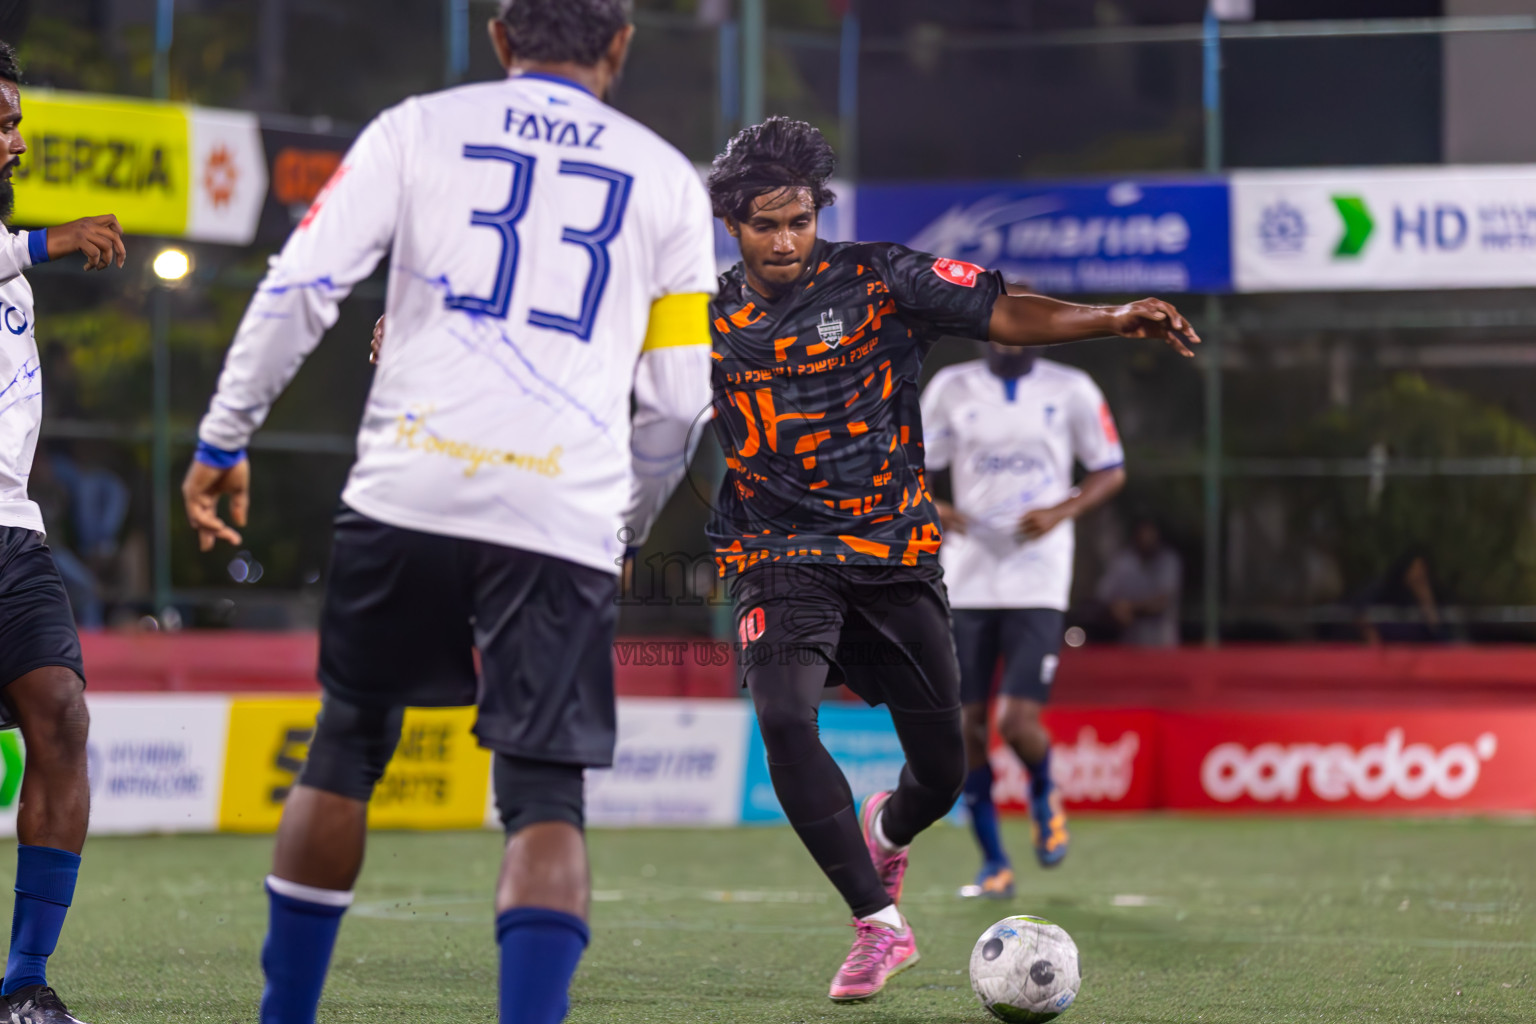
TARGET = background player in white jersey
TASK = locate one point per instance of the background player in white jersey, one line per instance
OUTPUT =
(40, 666)
(535, 233)
(1009, 429)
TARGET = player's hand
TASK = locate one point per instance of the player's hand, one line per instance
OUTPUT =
(99, 239)
(1038, 522)
(1123, 612)
(950, 519)
(201, 490)
(1154, 318)
(378, 342)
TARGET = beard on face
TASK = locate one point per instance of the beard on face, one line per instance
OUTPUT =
(7, 201)
(1010, 363)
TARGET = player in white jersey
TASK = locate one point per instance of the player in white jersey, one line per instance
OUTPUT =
(1009, 429)
(550, 257)
(40, 665)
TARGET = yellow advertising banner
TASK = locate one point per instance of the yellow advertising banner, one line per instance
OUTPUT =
(439, 777)
(90, 154)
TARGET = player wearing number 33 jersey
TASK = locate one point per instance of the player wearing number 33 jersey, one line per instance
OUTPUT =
(551, 263)
(530, 229)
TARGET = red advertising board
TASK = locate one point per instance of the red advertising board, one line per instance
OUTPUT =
(1103, 760)
(1411, 761)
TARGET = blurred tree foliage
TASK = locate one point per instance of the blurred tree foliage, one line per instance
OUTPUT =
(211, 57)
(1480, 531)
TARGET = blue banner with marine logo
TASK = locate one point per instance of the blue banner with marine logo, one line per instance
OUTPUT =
(1130, 235)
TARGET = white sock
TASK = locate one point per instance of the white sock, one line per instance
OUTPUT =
(880, 837)
(890, 917)
(309, 893)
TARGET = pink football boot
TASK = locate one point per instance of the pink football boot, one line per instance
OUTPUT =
(879, 953)
(892, 867)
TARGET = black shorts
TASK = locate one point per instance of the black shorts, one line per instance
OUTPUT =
(884, 633)
(1027, 639)
(404, 612)
(37, 628)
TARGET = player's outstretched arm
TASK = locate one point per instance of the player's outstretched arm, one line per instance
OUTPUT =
(99, 239)
(1037, 320)
(346, 232)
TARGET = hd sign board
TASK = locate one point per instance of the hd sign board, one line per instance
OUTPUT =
(1387, 228)
(162, 168)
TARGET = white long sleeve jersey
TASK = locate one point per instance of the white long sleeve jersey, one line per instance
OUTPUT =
(21, 385)
(1010, 446)
(530, 229)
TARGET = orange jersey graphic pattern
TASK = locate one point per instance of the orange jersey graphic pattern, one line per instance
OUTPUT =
(816, 406)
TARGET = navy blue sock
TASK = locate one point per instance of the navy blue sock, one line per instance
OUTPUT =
(1040, 776)
(983, 814)
(45, 885)
(539, 952)
(296, 956)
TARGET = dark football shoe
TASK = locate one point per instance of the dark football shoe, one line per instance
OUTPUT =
(38, 1004)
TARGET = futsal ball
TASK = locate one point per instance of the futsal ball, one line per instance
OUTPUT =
(1024, 970)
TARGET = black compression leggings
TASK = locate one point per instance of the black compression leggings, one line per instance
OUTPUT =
(815, 794)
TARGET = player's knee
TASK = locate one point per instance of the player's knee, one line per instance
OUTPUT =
(789, 731)
(50, 706)
(533, 792)
(352, 746)
(1019, 723)
(936, 757)
(74, 724)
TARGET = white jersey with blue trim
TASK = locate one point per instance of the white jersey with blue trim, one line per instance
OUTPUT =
(1010, 446)
(530, 228)
(21, 385)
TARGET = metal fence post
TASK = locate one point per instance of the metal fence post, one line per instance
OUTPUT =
(754, 38)
(455, 41)
(848, 94)
(165, 30)
(1212, 330)
(160, 468)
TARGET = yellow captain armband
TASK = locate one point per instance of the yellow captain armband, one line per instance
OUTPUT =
(678, 320)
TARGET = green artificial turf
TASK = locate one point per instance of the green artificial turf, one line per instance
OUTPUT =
(1177, 919)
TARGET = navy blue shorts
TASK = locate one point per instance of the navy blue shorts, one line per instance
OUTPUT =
(1028, 640)
(405, 612)
(37, 628)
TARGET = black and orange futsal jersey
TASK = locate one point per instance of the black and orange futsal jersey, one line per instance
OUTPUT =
(816, 405)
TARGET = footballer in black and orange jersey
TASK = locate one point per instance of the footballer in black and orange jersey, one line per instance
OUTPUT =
(816, 405)
(825, 525)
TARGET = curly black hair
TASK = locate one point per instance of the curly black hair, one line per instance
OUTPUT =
(561, 31)
(779, 153)
(10, 67)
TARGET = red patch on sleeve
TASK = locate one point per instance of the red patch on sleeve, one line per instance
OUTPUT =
(958, 272)
(1107, 421)
(325, 193)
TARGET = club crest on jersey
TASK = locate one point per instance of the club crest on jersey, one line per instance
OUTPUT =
(830, 330)
(957, 272)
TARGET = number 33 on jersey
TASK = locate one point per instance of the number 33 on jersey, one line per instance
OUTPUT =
(530, 228)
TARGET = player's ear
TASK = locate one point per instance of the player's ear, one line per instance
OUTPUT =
(732, 227)
(497, 30)
(618, 50)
